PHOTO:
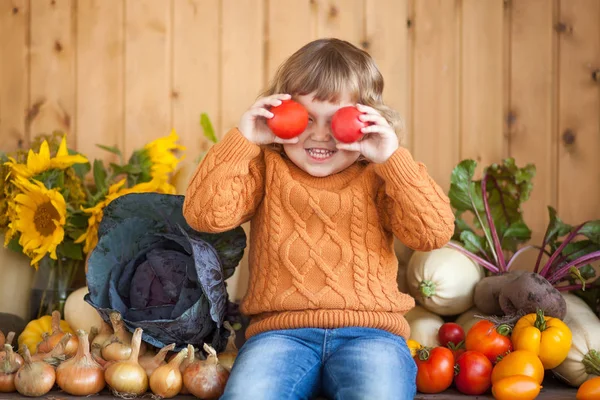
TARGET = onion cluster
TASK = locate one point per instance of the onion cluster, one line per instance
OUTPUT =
(112, 357)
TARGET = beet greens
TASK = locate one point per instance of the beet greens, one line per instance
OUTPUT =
(495, 203)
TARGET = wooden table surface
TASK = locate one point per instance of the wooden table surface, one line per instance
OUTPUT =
(552, 390)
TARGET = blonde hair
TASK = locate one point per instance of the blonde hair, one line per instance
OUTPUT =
(329, 67)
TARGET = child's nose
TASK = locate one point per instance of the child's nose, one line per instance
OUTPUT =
(322, 132)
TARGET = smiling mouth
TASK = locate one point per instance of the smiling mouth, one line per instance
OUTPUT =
(319, 154)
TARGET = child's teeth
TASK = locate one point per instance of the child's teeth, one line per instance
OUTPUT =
(320, 153)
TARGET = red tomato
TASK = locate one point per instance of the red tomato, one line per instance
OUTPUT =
(435, 369)
(346, 126)
(289, 120)
(473, 373)
(451, 332)
(488, 339)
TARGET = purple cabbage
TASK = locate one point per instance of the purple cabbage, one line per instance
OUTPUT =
(160, 274)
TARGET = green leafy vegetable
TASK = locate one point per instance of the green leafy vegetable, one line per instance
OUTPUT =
(494, 205)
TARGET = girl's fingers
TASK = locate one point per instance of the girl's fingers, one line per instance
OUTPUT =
(285, 141)
(377, 129)
(367, 109)
(261, 112)
(348, 146)
(375, 118)
(273, 100)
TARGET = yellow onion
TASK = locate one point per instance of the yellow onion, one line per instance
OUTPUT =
(81, 375)
(56, 355)
(49, 342)
(188, 361)
(34, 378)
(128, 377)
(166, 381)
(8, 367)
(151, 362)
(228, 356)
(118, 346)
(206, 379)
(3, 354)
(101, 334)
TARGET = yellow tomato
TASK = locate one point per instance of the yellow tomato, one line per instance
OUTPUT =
(548, 337)
(516, 387)
(413, 346)
(32, 334)
(589, 390)
(519, 362)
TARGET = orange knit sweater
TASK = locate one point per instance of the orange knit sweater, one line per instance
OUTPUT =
(320, 249)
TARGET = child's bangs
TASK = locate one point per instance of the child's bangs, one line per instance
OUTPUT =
(328, 82)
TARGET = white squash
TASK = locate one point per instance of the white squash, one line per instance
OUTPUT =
(443, 280)
(583, 361)
(79, 314)
(424, 326)
(467, 319)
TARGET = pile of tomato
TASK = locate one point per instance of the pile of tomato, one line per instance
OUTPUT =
(509, 361)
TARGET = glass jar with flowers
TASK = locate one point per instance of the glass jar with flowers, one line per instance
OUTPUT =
(51, 202)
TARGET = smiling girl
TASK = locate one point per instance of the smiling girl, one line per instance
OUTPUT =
(326, 314)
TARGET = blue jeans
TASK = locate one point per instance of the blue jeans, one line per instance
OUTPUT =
(341, 364)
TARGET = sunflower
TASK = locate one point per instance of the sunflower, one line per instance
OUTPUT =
(10, 215)
(114, 191)
(162, 155)
(41, 162)
(41, 215)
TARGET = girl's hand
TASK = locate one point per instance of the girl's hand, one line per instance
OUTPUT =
(254, 126)
(380, 140)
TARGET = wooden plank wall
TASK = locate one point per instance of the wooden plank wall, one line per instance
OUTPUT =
(473, 79)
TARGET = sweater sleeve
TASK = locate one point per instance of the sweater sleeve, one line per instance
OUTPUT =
(227, 186)
(415, 207)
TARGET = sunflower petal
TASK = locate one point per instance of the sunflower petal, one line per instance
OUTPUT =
(62, 149)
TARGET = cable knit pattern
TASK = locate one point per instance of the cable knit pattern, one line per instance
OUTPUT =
(320, 249)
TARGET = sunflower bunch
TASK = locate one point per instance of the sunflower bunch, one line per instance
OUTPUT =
(52, 198)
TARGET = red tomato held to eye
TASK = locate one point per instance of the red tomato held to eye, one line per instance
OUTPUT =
(346, 126)
(451, 332)
(290, 119)
(435, 369)
(490, 340)
(473, 373)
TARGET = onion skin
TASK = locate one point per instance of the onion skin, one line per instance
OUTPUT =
(206, 379)
(226, 359)
(7, 383)
(128, 377)
(17, 357)
(50, 342)
(8, 367)
(228, 356)
(103, 335)
(81, 375)
(57, 355)
(191, 357)
(118, 346)
(166, 381)
(150, 363)
(35, 378)
(116, 351)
